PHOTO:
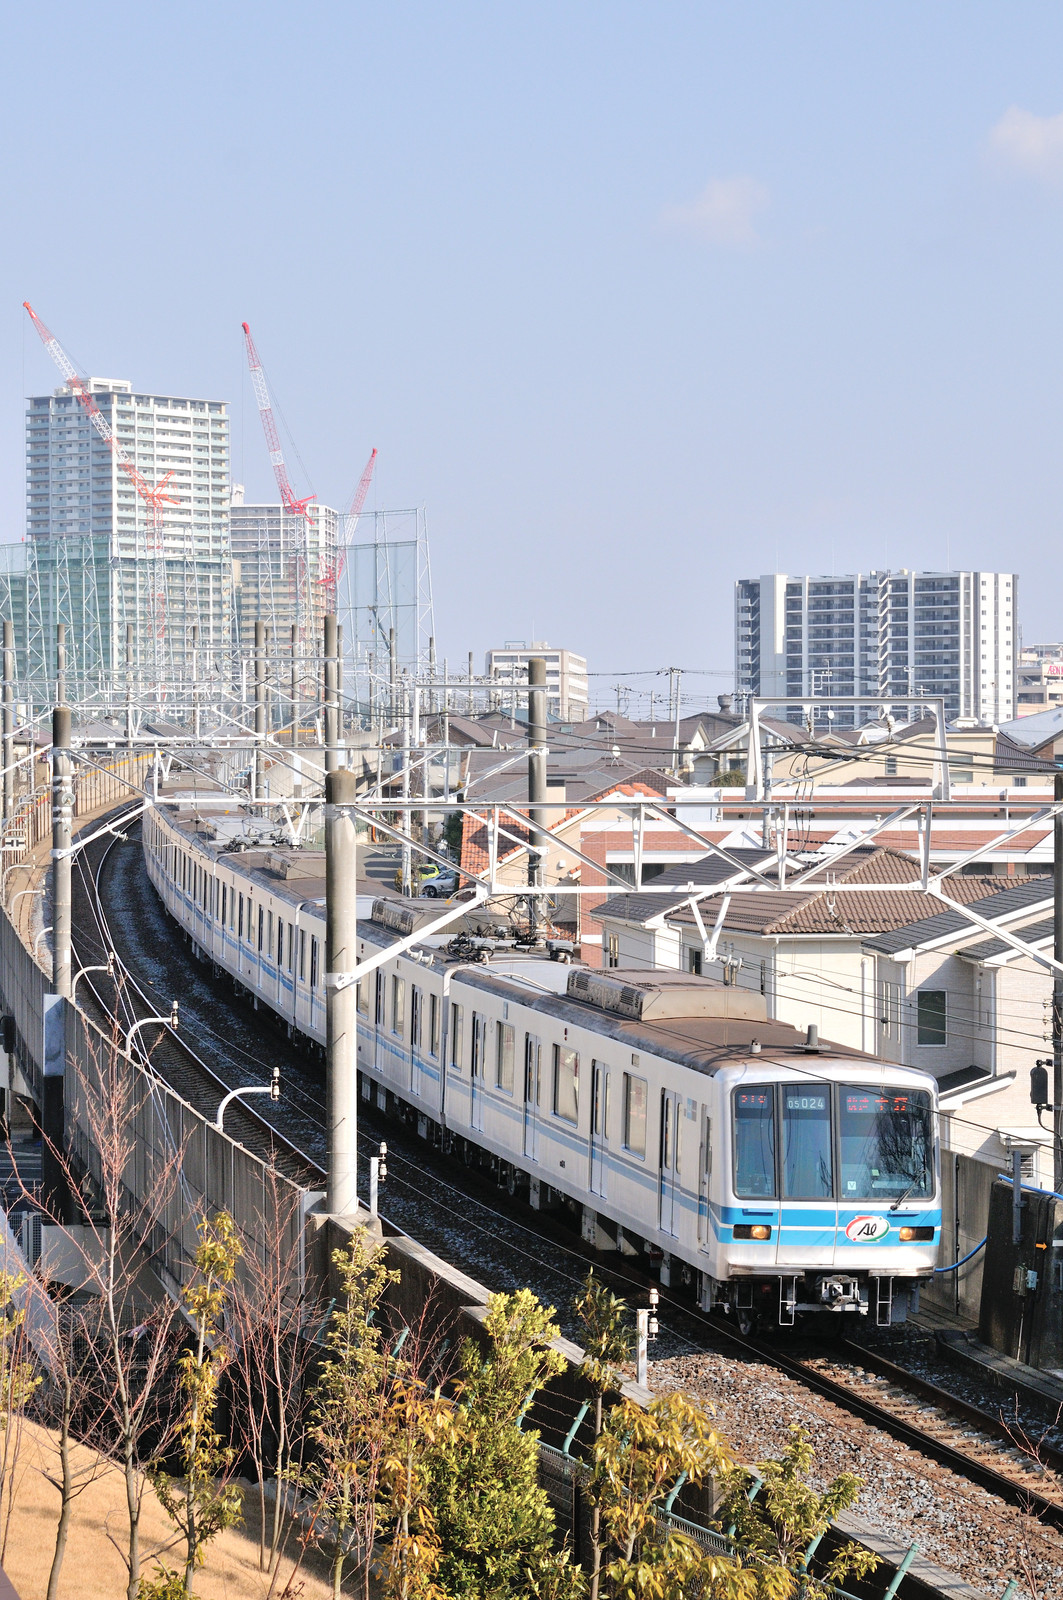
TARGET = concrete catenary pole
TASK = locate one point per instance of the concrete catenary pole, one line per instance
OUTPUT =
(1057, 988)
(258, 791)
(60, 663)
(536, 772)
(62, 831)
(332, 699)
(9, 723)
(341, 1005)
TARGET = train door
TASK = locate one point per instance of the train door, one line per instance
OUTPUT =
(671, 1128)
(599, 1121)
(533, 1052)
(479, 1050)
(705, 1180)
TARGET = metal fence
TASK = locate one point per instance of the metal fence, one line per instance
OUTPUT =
(177, 1168)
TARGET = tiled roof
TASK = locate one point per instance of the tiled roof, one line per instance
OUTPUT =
(710, 869)
(927, 930)
(1031, 932)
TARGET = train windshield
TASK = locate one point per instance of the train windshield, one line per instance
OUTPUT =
(807, 1160)
(755, 1143)
(885, 1144)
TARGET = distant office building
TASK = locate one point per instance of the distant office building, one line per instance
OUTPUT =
(1038, 679)
(566, 676)
(283, 570)
(892, 636)
(98, 561)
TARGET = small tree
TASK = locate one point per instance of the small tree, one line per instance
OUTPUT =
(18, 1382)
(493, 1520)
(347, 1432)
(606, 1334)
(775, 1529)
(271, 1325)
(639, 1458)
(202, 1502)
(416, 1422)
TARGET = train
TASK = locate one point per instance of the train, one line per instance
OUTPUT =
(778, 1177)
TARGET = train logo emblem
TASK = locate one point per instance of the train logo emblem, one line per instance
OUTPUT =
(867, 1230)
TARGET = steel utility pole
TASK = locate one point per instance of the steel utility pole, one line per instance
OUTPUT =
(62, 838)
(1057, 989)
(9, 723)
(295, 687)
(341, 1003)
(537, 816)
(332, 699)
(129, 686)
(258, 786)
(196, 714)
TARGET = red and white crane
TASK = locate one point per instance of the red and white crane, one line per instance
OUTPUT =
(269, 428)
(350, 522)
(152, 495)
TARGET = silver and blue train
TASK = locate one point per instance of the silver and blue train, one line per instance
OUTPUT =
(774, 1175)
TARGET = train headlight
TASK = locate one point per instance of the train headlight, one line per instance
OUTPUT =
(915, 1235)
(751, 1230)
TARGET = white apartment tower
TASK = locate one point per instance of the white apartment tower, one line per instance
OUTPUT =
(892, 636)
(566, 676)
(99, 560)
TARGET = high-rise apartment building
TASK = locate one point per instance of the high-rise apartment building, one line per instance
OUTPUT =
(566, 676)
(100, 561)
(892, 636)
(283, 570)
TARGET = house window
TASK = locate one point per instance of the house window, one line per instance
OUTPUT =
(612, 950)
(566, 1084)
(931, 1007)
(694, 961)
(504, 1060)
(635, 1115)
(891, 766)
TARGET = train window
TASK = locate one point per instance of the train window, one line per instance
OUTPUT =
(398, 1005)
(291, 947)
(269, 933)
(931, 1008)
(635, 1115)
(302, 955)
(416, 1009)
(363, 995)
(240, 929)
(313, 963)
(433, 1025)
(566, 1083)
(381, 982)
(261, 926)
(224, 905)
(504, 1062)
(807, 1160)
(456, 1018)
(754, 1120)
(885, 1144)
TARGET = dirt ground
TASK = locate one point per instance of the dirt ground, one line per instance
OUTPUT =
(93, 1569)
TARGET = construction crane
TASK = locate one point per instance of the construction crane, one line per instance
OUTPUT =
(153, 495)
(269, 428)
(335, 568)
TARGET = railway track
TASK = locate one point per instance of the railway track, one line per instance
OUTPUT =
(462, 1216)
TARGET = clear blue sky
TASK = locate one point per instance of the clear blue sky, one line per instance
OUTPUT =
(637, 298)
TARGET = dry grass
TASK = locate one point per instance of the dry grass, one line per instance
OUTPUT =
(93, 1569)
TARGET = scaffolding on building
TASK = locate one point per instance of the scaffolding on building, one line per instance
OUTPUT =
(384, 603)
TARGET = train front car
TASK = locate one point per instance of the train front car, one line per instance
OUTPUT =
(829, 1198)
